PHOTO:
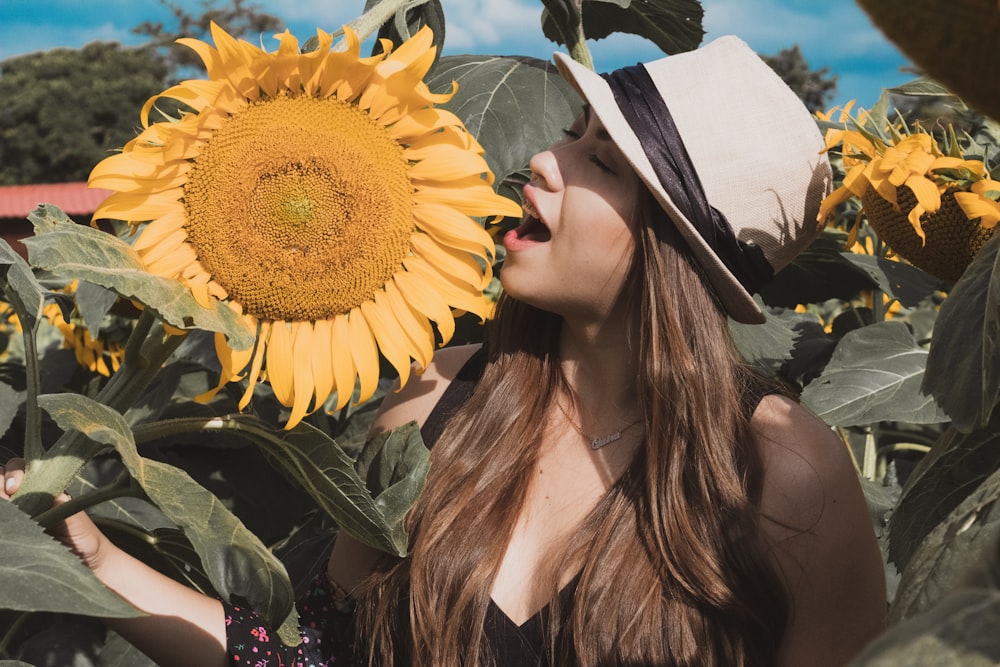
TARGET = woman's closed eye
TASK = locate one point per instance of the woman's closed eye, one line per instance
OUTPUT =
(572, 134)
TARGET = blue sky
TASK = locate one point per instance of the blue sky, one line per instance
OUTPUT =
(831, 33)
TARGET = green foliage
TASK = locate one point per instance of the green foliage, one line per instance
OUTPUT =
(64, 110)
(75, 251)
(859, 334)
(673, 25)
(41, 574)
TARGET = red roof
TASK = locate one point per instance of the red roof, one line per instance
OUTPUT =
(17, 201)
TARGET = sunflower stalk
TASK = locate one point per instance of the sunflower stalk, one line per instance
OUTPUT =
(121, 486)
(33, 446)
(48, 475)
(372, 20)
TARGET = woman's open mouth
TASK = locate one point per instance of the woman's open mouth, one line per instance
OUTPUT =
(530, 232)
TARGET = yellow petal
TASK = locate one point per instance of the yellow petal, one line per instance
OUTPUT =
(416, 327)
(280, 362)
(364, 353)
(263, 332)
(427, 302)
(322, 360)
(344, 371)
(390, 340)
(302, 379)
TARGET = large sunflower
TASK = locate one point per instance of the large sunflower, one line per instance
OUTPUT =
(322, 196)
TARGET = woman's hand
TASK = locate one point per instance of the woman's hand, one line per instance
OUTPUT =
(77, 532)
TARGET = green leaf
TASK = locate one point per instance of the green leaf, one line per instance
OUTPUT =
(955, 467)
(94, 302)
(673, 25)
(22, 284)
(960, 630)
(77, 251)
(901, 281)
(496, 94)
(963, 370)
(874, 375)
(327, 474)
(10, 400)
(769, 346)
(239, 566)
(956, 544)
(117, 652)
(38, 573)
(394, 465)
(818, 273)
(408, 20)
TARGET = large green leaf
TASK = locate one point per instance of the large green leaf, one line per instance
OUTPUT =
(673, 25)
(77, 251)
(955, 545)
(963, 370)
(10, 400)
(956, 465)
(874, 375)
(22, 285)
(818, 273)
(902, 281)
(239, 566)
(39, 574)
(394, 465)
(958, 631)
(328, 475)
(496, 94)
(94, 302)
(787, 339)
(408, 19)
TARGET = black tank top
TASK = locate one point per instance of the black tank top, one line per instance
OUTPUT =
(524, 645)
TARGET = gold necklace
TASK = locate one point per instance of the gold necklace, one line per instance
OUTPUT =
(600, 441)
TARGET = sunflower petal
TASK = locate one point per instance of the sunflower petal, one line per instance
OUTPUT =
(302, 378)
(390, 340)
(280, 363)
(364, 353)
(344, 371)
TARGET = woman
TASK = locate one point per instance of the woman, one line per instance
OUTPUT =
(609, 483)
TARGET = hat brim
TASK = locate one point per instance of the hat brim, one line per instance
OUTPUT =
(738, 303)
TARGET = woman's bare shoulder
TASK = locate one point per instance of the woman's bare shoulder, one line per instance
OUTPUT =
(816, 522)
(417, 398)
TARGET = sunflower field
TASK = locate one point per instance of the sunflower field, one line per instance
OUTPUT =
(299, 230)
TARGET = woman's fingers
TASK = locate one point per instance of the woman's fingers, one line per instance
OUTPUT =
(12, 474)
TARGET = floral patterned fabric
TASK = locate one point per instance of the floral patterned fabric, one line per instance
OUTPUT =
(326, 626)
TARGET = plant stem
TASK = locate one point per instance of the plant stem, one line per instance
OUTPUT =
(33, 447)
(11, 631)
(48, 476)
(577, 42)
(368, 23)
(122, 486)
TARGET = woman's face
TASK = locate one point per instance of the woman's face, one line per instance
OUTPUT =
(571, 253)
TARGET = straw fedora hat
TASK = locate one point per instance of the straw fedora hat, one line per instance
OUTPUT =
(754, 146)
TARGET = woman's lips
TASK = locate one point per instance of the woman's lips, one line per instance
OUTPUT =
(531, 231)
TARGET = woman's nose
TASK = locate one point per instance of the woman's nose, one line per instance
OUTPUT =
(545, 171)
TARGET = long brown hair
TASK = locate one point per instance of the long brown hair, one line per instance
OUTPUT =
(672, 568)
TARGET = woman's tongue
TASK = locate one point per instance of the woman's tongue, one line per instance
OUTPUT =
(533, 229)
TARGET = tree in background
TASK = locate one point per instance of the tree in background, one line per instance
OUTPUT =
(63, 110)
(237, 18)
(814, 87)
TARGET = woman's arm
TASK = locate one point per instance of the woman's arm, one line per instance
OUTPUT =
(183, 628)
(817, 522)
